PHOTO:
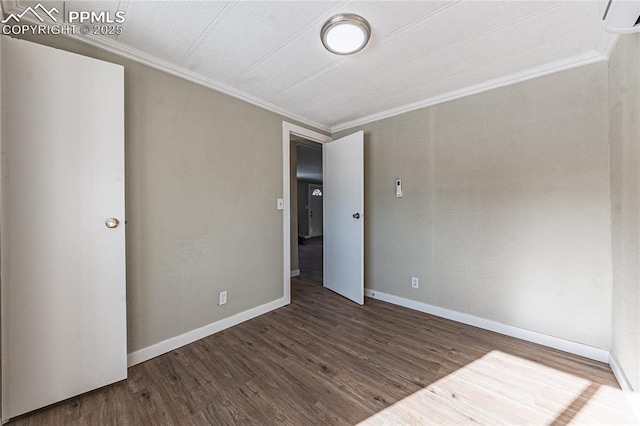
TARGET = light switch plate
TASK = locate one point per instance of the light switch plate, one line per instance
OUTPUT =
(280, 204)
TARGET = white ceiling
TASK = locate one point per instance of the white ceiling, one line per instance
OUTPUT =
(420, 51)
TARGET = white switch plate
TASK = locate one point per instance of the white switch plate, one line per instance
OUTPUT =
(398, 188)
(414, 282)
(222, 300)
(280, 204)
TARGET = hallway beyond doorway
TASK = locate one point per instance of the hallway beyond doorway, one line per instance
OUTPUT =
(310, 260)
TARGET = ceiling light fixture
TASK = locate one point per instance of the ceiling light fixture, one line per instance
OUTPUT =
(345, 34)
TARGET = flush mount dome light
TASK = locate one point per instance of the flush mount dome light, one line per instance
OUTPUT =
(345, 34)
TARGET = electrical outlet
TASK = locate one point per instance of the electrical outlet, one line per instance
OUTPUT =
(222, 300)
(414, 282)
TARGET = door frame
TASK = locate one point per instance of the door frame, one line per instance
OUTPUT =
(288, 130)
(3, 225)
(309, 198)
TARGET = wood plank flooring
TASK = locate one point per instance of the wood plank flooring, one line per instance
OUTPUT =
(323, 360)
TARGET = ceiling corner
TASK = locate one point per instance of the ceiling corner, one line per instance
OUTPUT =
(606, 43)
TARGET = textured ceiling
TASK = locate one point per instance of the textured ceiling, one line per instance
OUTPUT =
(271, 50)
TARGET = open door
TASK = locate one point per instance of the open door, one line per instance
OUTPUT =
(62, 226)
(344, 216)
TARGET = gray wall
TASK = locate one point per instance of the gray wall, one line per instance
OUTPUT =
(203, 173)
(624, 111)
(506, 209)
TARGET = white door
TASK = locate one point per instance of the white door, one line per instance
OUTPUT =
(63, 270)
(344, 216)
(315, 210)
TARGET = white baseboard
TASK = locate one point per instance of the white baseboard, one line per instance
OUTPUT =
(625, 384)
(295, 272)
(509, 330)
(580, 349)
(633, 397)
(191, 336)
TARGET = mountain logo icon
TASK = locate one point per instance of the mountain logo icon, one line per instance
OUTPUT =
(34, 11)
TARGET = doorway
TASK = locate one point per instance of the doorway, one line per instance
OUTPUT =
(309, 209)
(290, 198)
(343, 215)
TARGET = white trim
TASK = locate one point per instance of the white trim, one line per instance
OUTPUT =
(606, 43)
(289, 129)
(172, 343)
(623, 31)
(508, 330)
(286, 213)
(624, 383)
(553, 67)
(305, 133)
(3, 251)
(295, 273)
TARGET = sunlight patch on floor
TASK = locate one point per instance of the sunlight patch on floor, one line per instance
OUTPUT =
(504, 389)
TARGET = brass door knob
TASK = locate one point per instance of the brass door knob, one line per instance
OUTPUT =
(112, 222)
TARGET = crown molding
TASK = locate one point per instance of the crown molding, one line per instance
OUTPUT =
(133, 54)
(607, 42)
(587, 58)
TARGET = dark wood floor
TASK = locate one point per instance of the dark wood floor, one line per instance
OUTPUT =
(324, 360)
(310, 259)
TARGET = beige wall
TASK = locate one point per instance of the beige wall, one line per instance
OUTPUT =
(624, 112)
(505, 213)
(203, 174)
